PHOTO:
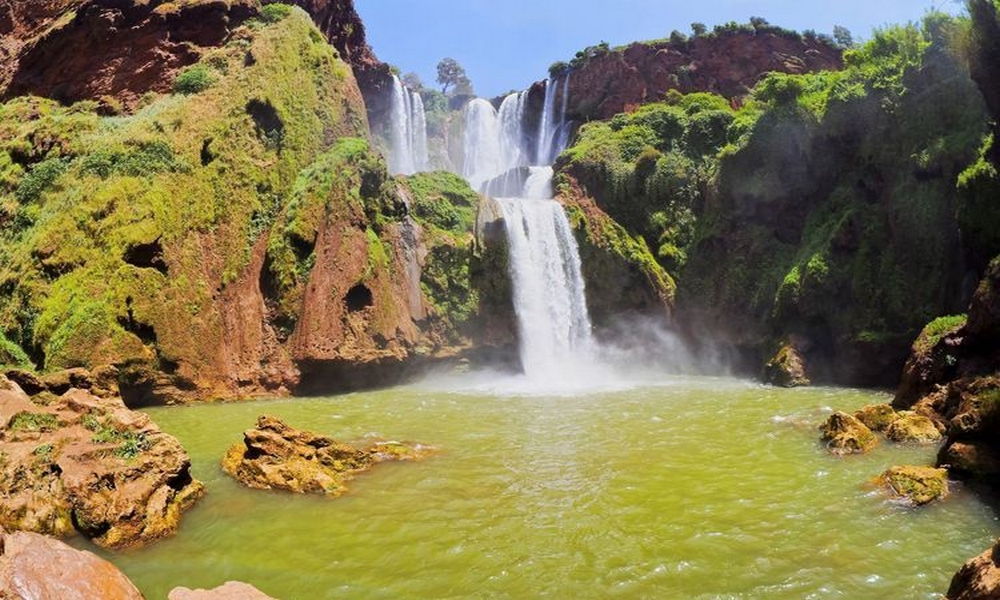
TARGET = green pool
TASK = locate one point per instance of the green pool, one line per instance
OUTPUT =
(679, 487)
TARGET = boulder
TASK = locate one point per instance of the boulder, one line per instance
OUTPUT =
(911, 427)
(85, 463)
(919, 485)
(36, 566)
(877, 417)
(786, 368)
(276, 456)
(231, 590)
(845, 434)
(976, 458)
(978, 578)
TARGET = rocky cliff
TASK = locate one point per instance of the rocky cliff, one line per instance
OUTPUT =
(728, 62)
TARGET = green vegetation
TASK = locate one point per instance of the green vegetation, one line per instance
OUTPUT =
(826, 203)
(27, 421)
(937, 329)
(194, 79)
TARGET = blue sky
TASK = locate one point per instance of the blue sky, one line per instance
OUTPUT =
(507, 45)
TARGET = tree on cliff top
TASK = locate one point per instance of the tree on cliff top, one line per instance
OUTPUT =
(452, 74)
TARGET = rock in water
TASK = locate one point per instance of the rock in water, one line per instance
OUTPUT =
(919, 485)
(786, 368)
(276, 456)
(89, 463)
(35, 566)
(912, 427)
(845, 434)
(978, 578)
(877, 417)
(231, 590)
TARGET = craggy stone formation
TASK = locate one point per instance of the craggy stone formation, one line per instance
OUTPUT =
(83, 462)
(845, 434)
(36, 566)
(978, 578)
(877, 417)
(919, 485)
(276, 456)
(786, 368)
(231, 590)
(728, 63)
(911, 427)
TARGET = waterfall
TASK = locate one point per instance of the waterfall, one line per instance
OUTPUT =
(544, 261)
(407, 131)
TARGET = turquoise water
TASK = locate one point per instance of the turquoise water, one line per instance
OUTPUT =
(683, 487)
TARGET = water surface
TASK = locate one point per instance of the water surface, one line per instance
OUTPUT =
(683, 487)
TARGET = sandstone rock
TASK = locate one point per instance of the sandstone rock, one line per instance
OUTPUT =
(845, 434)
(786, 368)
(276, 456)
(231, 590)
(978, 578)
(911, 427)
(977, 458)
(877, 417)
(88, 463)
(919, 485)
(35, 566)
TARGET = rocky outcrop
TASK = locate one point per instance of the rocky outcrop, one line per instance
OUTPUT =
(727, 63)
(85, 463)
(786, 368)
(845, 434)
(276, 456)
(109, 49)
(877, 417)
(978, 578)
(35, 566)
(231, 590)
(917, 485)
(911, 427)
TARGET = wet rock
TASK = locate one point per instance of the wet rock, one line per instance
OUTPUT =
(845, 434)
(919, 485)
(978, 578)
(231, 590)
(36, 566)
(877, 417)
(976, 458)
(85, 463)
(911, 427)
(786, 368)
(276, 456)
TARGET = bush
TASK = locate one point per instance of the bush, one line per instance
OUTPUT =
(194, 79)
(39, 178)
(272, 13)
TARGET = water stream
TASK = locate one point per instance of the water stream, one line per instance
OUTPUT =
(407, 131)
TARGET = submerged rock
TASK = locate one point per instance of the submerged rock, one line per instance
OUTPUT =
(845, 434)
(919, 485)
(36, 566)
(877, 417)
(82, 462)
(978, 578)
(231, 590)
(276, 456)
(912, 427)
(786, 368)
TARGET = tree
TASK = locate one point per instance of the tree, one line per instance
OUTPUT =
(451, 74)
(412, 81)
(699, 29)
(843, 36)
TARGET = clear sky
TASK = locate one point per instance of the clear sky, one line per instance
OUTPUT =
(506, 45)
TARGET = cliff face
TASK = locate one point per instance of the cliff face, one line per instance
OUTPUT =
(727, 63)
(74, 50)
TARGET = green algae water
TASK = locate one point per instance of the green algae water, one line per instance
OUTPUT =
(685, 487)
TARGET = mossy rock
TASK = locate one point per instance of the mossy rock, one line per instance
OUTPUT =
(877, 417)
(919, 485)
(786, 368)
(845, 434)
(911, 427)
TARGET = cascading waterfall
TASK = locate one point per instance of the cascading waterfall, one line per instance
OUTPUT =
(553, 324)
(407, 131)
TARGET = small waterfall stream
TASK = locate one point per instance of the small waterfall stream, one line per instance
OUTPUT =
(553, 323)
(407, 131)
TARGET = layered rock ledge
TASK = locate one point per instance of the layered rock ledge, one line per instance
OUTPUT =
(276, 456)
(81, 462)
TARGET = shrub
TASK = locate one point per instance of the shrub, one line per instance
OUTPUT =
(39, 178)
(194, 79)
(272, 13)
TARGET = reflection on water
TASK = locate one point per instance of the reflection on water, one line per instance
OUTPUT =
(671, 487)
